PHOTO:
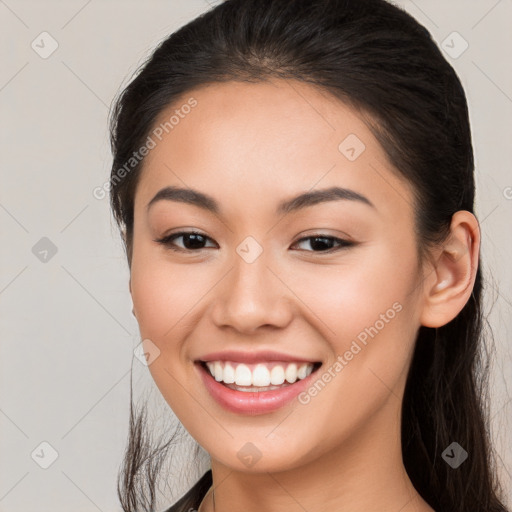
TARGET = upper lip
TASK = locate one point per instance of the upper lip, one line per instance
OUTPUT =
(253, 357)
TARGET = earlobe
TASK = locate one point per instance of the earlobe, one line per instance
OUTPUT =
(453, 277)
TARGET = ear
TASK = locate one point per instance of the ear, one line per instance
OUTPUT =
(448, 286)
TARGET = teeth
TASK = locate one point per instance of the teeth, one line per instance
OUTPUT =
(302, 372)
(228, 375)
(277, 375)
(291, 373)
(260, 375)
(243, 376)
(217, 369)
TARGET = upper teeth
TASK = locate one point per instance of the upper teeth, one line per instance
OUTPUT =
(261, 374)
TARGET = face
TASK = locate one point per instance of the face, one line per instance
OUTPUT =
(271, 288)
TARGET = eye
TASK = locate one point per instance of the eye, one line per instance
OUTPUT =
(195, 241)
(324, 243)
(192, 240)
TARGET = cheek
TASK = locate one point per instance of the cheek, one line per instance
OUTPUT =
(354, 295)
(164, 294)
(162, 297)
(368, 315)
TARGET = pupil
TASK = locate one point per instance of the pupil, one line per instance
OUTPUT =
(194, 241)
(323, 243)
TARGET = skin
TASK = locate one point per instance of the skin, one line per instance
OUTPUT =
(251, 146)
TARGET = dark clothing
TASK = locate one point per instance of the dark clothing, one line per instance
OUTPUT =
(192, 499)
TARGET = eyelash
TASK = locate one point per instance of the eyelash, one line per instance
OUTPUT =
(167, 242)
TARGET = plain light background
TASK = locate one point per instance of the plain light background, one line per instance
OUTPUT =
(67, 332)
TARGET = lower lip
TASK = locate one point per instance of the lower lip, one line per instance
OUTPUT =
(252, 402)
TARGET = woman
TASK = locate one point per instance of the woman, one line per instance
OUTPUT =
(293, 180)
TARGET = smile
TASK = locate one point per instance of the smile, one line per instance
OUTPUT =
(255, 388)
(252, 377)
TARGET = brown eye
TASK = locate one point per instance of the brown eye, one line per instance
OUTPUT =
(323, 243)
(192, 241)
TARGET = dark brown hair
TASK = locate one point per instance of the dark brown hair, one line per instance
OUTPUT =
(375, 57)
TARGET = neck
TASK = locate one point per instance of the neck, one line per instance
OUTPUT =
(364, 474)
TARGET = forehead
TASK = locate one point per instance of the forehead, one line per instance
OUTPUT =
(244, 142)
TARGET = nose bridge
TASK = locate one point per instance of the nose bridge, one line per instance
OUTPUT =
(251, 295)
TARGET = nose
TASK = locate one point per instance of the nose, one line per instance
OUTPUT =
(252, 297)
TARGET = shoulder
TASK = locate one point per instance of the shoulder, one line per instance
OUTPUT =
(192, 499)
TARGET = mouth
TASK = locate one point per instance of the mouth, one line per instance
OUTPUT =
(256, 388)
(258, 377)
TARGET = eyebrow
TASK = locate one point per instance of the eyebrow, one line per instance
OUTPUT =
(310, 198)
